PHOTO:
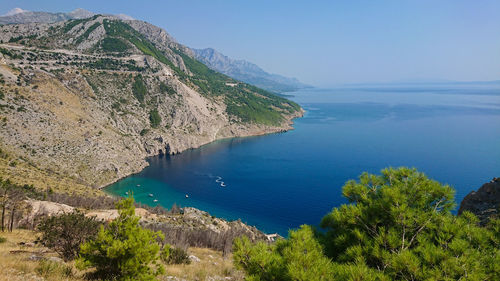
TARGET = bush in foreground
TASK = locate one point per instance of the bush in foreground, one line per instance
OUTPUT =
(65, 233)
(175, 256)
(123, 250)
(397, 226)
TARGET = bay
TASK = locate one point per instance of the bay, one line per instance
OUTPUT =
(280, 181)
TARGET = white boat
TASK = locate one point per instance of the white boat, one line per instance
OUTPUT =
(155, 200)
(138, 185)
(150, 194)
(222, 184)
(126, 193)
(187, 196)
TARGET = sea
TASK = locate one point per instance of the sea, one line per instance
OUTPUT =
(277, 182)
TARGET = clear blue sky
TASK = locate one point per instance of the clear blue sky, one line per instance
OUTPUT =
(327, 42)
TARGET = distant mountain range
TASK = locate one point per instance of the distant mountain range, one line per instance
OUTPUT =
(18, 16)
(247, 72)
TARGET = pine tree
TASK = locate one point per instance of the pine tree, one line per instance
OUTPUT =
(123, 250)
(397, 226)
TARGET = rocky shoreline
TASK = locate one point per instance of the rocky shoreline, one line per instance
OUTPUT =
(484, 203)
(287, 126)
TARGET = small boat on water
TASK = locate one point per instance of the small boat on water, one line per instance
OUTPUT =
(222, 184)
(150, 194)
(187, 196)
(126, 193)
(156, 200)
(138, 185)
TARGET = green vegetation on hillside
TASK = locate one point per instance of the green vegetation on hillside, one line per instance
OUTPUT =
(87, 32)
(245, 102)
(110, 64)
(11, 54)
(72, 23)
(164, 88)
(154, 118)
(111, 44)
(121, 29)
(397, 226)
(139, 89)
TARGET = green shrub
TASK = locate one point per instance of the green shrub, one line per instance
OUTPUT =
(3, 239)
(144, 132)
(176, 256)
(154, 118)
(123, 250)
(115, 106)
(139, 89)
(65, 233)
(164, 88)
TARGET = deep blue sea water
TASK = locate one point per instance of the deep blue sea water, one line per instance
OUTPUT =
(280, 181)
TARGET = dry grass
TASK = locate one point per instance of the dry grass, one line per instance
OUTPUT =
(212, 266)
(15, 262)
(23, 173)
(17, 265)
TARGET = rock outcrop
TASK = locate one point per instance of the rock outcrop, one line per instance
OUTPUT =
(187, 219)
(37, 209)
(485, 202)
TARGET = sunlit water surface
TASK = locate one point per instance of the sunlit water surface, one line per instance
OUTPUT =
(281, 181)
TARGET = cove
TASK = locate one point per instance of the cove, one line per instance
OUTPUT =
(280, 181)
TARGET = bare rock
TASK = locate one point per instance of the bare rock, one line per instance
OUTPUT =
(194, 258)
(484, 203)
(39, 209)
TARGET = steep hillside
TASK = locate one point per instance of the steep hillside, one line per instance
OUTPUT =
(247, 72)
(84, 101)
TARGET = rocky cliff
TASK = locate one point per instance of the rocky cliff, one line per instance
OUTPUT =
(485, 202)
(83, 102)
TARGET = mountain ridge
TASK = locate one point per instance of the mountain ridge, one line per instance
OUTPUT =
(20, 16)
(247, 72)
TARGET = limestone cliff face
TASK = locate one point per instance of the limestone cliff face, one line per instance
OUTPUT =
(86, 101)
(485, 202)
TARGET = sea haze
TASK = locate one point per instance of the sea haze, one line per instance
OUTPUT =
(280, 181)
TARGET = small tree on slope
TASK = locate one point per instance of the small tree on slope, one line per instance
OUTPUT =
(123, 250)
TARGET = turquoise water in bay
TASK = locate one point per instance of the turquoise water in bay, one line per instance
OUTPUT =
(280, 181)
